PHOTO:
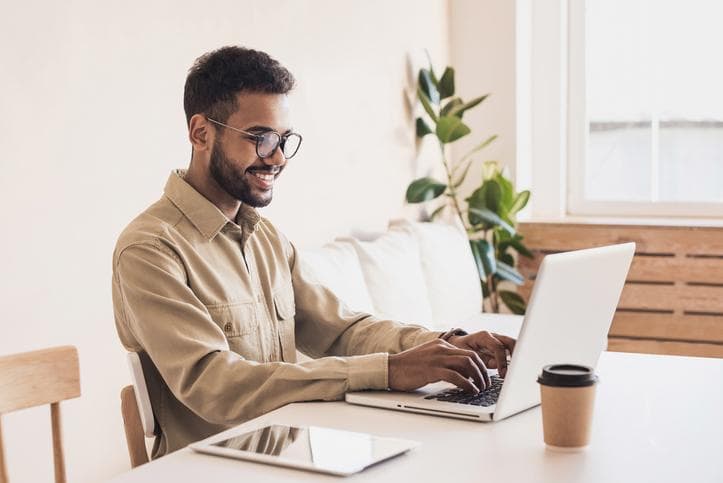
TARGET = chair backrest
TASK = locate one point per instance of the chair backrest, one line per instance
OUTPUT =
(143, 399)
(138, 420)
(133, 427)
(35, 378)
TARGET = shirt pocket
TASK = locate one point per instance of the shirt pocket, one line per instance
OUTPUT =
(285, 309)
(240, 325)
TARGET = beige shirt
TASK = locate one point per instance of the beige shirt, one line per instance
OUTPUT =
(220, 307)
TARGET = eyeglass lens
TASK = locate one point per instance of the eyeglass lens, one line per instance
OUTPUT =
(268, 142)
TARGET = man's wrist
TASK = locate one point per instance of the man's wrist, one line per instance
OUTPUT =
(452, 333)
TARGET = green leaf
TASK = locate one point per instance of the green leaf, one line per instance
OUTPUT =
(422, 128)
(484, 257)
(520, 201)
(428, 86)
(486, 196)
(487, 254)
(480, 146)
(507, 192)
(458, 111)
(426, 104)
(480, 215)
(507, 272)
(513, 301)
(446, 83)
(437, 211)
(431, 69)
(450, 128)
(424, 189)
(507, 258)
(455, 101)
(478, 260)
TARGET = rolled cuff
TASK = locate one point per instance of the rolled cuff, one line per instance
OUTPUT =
(369, 371)
(426, 336)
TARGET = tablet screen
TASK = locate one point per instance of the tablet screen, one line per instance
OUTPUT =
(323, 448)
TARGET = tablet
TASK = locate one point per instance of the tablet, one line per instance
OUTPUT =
(313, 448)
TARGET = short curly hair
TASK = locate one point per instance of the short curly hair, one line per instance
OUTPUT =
(216, 77)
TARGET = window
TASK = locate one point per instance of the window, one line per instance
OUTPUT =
(645, 118)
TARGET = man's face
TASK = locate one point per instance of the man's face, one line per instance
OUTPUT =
(234, 164)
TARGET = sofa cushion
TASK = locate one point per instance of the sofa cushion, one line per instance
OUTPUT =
(393, 273)
(336, 266)
(449, 270)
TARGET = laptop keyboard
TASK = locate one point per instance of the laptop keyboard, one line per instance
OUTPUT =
(488, 397)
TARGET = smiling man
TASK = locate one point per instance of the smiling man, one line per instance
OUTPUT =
(214, 298)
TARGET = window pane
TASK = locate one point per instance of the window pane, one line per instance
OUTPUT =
(618, 166)
(653, 100)
(691, 161)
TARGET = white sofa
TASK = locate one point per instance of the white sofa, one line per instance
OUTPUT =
(415, 272)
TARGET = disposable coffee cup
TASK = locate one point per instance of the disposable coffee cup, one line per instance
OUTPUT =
(568, 396)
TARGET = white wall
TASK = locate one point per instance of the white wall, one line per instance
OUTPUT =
(91, 123)
(483, 40)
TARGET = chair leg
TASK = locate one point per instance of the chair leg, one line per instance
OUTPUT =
(3, 471)
(57, 443)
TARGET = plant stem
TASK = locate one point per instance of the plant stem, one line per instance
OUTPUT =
(452, 192)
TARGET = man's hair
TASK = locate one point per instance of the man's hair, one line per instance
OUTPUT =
(216, 77)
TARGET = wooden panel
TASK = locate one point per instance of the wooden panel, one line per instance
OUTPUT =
(704, 328)
(653, 268)
(671, 269)
(135, 438)
(650, 346)
(672, 297)
(649, 239)
(39, 377)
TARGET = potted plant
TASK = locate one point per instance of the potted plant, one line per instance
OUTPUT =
(489, 213)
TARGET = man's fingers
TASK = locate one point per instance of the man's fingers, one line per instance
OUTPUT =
(478, 362)
(509, 342)
(459, 381)
(468, 368)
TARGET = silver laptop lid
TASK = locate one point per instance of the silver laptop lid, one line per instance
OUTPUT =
(570, 309)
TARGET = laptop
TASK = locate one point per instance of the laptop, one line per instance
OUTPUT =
(567, 321)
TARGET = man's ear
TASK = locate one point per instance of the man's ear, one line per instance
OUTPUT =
(200, 133)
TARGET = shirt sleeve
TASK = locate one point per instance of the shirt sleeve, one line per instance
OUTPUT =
(161, 312)
(325, 326)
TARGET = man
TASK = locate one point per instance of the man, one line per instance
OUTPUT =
(215, 299)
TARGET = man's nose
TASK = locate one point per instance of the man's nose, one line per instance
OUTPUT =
(276, 159)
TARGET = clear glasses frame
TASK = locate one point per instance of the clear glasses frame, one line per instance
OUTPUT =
(268, 142)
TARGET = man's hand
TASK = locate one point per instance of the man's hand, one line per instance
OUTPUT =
(437, 360)
(493, 348)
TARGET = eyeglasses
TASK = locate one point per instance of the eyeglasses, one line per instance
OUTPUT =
(267, 142)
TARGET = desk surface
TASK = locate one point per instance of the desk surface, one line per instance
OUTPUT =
(657, 418)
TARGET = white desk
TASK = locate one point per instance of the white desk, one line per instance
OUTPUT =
(645, 429)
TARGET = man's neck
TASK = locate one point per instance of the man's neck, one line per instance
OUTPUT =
(203, 183)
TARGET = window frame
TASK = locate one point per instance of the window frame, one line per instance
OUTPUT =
(577, 142)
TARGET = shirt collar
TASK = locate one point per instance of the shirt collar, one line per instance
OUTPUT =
(203, 214)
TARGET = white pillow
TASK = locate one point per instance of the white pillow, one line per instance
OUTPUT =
(449, 270)
(393, 273)
(336, 266)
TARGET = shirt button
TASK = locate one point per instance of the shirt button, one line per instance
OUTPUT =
(228, 327)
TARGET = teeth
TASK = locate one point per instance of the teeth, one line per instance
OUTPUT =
(265, 177)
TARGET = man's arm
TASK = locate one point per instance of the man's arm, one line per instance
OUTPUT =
(192, 354)
(417, 356)
(325, 326)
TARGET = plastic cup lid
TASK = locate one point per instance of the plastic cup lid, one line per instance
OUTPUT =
(567, 375)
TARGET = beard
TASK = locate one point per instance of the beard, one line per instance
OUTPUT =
(234, 182)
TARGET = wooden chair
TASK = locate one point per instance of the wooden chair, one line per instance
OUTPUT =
(35, 378)
(138, 420)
